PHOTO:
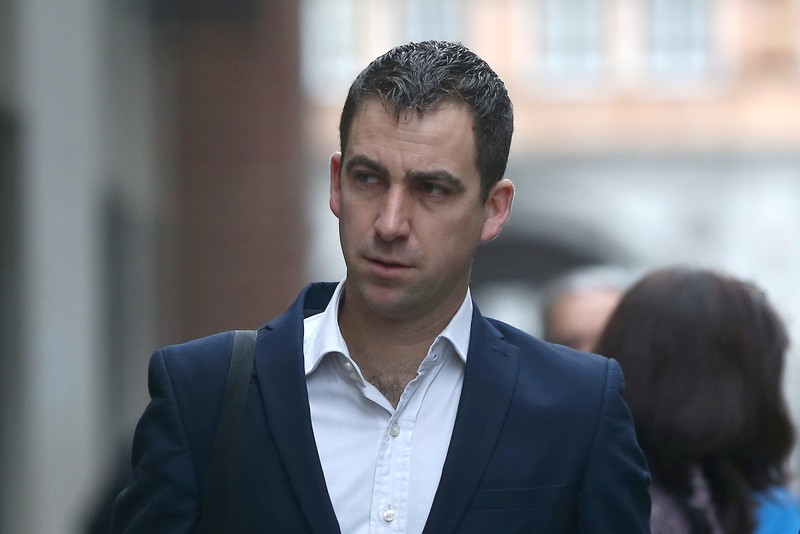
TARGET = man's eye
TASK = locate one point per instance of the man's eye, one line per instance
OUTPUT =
(430, 188)
(366, 178)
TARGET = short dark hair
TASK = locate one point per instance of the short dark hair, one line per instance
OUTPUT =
(703, 356)
(421, 76)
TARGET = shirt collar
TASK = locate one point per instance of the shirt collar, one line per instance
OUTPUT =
(458, 330)
(322, 336)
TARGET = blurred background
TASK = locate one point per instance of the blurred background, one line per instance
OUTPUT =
(164, 166)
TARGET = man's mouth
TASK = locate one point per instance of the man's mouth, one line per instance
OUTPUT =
(388, 262)
(387, 267)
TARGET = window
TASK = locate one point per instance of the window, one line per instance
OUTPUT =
(328, 46)
(679, 38)
(573, 48)
(427, 19)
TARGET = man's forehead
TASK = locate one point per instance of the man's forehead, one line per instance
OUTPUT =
(372, 113)
(441, 143)
(404, 113)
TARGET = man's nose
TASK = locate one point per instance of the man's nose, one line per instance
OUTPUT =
(393, 219)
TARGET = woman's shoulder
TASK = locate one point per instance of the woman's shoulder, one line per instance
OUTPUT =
(777, 511)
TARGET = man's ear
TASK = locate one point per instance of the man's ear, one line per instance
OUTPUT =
(498, 209)
(336, 191)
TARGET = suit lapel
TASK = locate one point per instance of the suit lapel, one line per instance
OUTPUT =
(489, 380)
(279, 369)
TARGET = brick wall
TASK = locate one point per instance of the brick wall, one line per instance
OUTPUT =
(239, 227)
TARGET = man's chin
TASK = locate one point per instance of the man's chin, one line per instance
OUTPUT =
(389, 302)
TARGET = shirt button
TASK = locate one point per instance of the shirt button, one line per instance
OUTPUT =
(394, 431)
(347, 365)
(388, 515)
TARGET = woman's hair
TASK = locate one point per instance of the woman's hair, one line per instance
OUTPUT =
(703, 355)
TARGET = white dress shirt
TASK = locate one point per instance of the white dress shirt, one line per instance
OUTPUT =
(382, 465)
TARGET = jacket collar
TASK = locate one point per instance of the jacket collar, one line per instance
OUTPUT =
(280, 374)
(489, 381)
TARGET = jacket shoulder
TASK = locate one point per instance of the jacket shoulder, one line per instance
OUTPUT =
(544, 352)
(199, 358)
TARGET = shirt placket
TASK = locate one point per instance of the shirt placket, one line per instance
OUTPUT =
(391, 478)
(391, 484)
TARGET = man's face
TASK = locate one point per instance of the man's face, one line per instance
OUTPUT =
(410, 213)
(577, 319)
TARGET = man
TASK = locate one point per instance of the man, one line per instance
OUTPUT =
(387, 402)
(576, 306)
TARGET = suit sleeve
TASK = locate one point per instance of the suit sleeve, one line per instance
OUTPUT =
(615, 495)
(163, 495)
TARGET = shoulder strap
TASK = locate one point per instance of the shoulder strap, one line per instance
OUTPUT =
(212, 511)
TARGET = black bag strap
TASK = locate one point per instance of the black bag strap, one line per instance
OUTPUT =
(212, 511)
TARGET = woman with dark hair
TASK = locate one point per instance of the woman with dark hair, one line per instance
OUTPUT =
(703, 356)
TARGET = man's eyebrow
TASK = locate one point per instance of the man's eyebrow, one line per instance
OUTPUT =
(436, 176)
(364, 161)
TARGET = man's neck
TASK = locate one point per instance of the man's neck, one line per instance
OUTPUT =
(389, 352)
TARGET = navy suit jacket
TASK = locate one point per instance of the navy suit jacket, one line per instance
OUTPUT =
(542, 442)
